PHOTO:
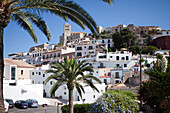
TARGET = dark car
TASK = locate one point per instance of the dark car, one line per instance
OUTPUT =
(10, 102)
(21, 104)
(32, 103)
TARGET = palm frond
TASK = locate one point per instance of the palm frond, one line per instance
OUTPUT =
(108, 1)
(79, 88)
(53, 76)
(41, 25)
(55, 87)
(25, 24)
(89, 76)
(89, 82)
(56, 6)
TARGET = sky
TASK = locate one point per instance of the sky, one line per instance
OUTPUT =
(137, 12)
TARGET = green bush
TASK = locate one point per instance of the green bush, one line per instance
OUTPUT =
(78, 108)
(116, 101)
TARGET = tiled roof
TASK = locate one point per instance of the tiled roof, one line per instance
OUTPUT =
(18, 63)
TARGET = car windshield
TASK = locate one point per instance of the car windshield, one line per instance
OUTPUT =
(34, 101)
(23, 102)
(31, 100)
(9, 101)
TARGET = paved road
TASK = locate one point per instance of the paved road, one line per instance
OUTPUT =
(40, 109)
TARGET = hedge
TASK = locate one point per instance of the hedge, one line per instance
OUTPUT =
(78, 108)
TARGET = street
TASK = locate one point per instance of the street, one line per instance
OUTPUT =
(40, 109)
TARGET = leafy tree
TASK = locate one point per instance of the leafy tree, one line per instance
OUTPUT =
(159, 56)
(149, 49)
(148, 40)
(153, 31)
(124, 39)
(25, 12)
(136, 49)
(156, 91)
(71, 73)
(115, 101)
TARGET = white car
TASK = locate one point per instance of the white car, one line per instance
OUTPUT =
(6, 106)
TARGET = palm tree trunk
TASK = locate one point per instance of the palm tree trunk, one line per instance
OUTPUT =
(70, 100)
(2, 110)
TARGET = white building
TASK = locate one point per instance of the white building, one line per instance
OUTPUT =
(38, 76)
(17, 83)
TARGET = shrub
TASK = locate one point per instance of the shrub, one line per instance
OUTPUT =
(78, 108)
(149, 49)
(115, 101)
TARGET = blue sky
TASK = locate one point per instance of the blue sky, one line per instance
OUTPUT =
(137, 12)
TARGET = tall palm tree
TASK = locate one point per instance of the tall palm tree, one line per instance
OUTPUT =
(25, 12)
(71, 73)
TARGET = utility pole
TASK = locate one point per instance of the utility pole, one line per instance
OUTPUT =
(141, 106)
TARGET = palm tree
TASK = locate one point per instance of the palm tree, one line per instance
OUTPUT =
(71, 73)
(25, 12)
(157, 90)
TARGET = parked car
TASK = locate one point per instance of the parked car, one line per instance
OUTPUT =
(32, 103)
(6, 106)
(21, 104)
(10, 102)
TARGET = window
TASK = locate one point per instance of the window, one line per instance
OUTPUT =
(22, 72)
(64, 93)
(51, 83)
(108, 45)
(125, 65)
(108, 41)
(117, 57)
(43, 56)
(117, 74)
(32, 73)
(96, 71)
(102, 56)
(43, 82)
(90, 47)
(43, 75)
(39, 73)
(33, 82)
(117, 65)
(84, 46)
(102, 41)
(54, 54)
(111, 56)
(127, 57)
(13, 73)
(117, 81)
(79, 48)
(167, 32)
(115, 29)
(79, 54)
(123, 58)
(93, 96)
